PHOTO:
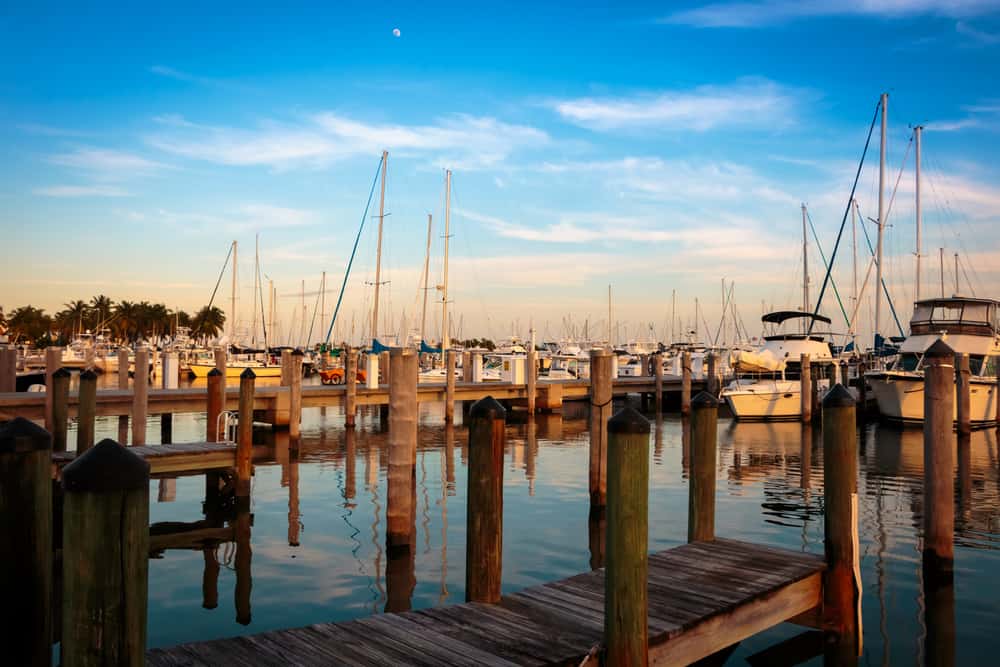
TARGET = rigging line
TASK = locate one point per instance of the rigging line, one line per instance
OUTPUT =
(221, 273)
(899, 177)
(843, 222)
(312, 322)
(885, 289)
(260, 292)
(833, 283)
(357, 238)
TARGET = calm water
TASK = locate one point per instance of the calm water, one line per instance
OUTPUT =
(333, 498)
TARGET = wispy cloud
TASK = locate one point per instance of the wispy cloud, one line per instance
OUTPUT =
(747, 102)
(80, 191)
(243, 218)
(107, 163)
(49, 130)
(775, 12)
(470, 141)
(978, 37)
(978, 115)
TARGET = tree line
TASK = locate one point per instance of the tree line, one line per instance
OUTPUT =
(122, 321)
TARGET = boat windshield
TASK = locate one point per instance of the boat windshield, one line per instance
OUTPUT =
(908, 361)
(953, 315)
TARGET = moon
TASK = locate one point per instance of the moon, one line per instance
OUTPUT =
(395, 32)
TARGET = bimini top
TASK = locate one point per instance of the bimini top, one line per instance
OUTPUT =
(780, 316)
(957, 315)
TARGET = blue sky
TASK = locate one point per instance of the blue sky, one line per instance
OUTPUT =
(652, 147)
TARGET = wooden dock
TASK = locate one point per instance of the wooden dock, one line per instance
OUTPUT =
(172, 460)
(703, 597)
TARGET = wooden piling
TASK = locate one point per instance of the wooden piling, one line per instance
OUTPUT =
(26, 542)
(140, 396)
(625, 575)
(711, 380)
(805, 388)
(295, 399)
(963, 396)
(286, 367)
(939, 457)
(658, 375)
(244, 437)
(8, 369)
(449, 387)
(402, 477)
(701, 489)
(384, 360)
(86, 411)
(686, 383)
(862, 387)
(531, 377)
(53, 362)
(216, 404)
(467, 369)
(351, 392)
(484, 523)
(169, 367)
(106, 552)
(210, 579)
(123, 386)
(600, 412)
(60, 408)
(242, 566)
(841, 594)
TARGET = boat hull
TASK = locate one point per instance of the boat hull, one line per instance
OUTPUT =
(900, 397)
(781, 403)
(202, 370)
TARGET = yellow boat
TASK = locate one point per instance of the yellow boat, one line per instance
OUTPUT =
(235, 368)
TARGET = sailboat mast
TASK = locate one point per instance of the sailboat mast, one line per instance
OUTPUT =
(673, 315)
(445, 341)
(918, 132)
(610, 344)
(854, 261)
(805, 263)
(941, 263)
(427, 270)
(881, 218)
(270, 308)
(956, 274)
(322, 298)
(256, 281)
(378, 250)
(232, 301)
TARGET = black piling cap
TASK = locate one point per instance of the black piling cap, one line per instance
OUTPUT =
(628, 420)
(105, 467)
(297, 352)
(23, 435)
(248, 374)
(940, 350)
(62, 372)
(88, 374)
(838, 397)
(214, 372)
(704, 400)
(487, 408)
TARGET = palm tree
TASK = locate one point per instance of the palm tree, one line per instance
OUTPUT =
(29, 323)
(100, 310)
(75, 312)
(126, 321)
(208, 322)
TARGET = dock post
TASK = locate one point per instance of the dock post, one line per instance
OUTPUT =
(711, 379)
(841, 596)
(939, 458)
(140, 396)
(86, 411)
(295, 399)
(210, 579)
(484, 529)
(169, 369)
(531, 377)
(449, 387)
(403, 413)
(244, 437)
(60, 408)
(53, 362)
(123, 386)
(385, 360)
(286, 368)
(26, 546)
(600, 412)
(701, 488)
(686, 383)
(625, 575)
(8, 369)
(963, 398)
(216, 404)
(241, 564)
(805, 388)
(862, 387)
(351, 385)
(658, 375)
(106, 542)
(467, 368)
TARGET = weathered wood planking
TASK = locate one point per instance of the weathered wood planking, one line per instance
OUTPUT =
(111, 402)
(702, 598)
(177, 458)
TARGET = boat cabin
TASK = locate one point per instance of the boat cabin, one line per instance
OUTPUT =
(967, 324)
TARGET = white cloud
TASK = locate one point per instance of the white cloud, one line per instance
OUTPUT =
(105, 163)
(244, 218)
(773, 12)
(748, 102)
(456, 140)
(80, 191)
(978, 115)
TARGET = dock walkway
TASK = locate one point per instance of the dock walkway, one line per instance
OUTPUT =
(703, 597)
(172, 459)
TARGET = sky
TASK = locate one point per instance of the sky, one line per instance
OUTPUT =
(660, 149)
